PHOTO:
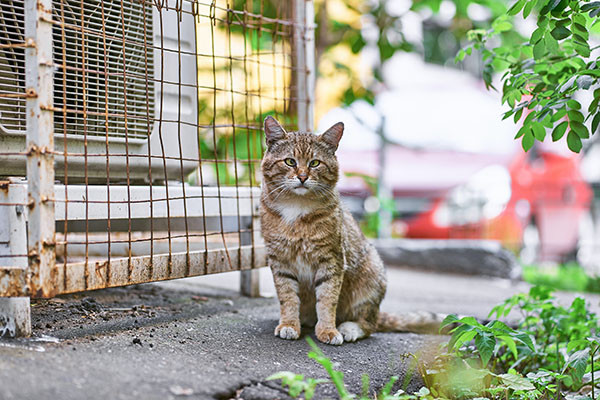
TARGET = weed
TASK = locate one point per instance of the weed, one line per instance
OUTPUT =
(570, 277)
(551, 353)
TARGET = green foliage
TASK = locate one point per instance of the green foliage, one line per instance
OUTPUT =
(543, 74)
(569, 277)
(551, 353)
(297, 384)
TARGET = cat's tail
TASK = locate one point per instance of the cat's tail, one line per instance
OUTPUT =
(416, 322)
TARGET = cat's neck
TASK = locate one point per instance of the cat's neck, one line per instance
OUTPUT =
(292, 207)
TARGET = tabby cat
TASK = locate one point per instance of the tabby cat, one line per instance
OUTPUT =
(326, 273)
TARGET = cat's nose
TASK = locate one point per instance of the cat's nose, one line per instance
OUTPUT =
(302, 178)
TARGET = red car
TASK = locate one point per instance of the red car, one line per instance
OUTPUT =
(533, 203)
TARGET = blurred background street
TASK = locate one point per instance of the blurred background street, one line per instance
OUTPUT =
(426, 153)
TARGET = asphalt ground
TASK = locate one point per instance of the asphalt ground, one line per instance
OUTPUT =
(199, 339)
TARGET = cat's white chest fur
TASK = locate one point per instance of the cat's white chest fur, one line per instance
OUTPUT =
(290, 212)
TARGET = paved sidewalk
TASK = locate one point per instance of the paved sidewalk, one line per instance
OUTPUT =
(197, 339)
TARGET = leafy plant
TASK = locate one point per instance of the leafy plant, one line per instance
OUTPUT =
(550, 348)
(551, 353)
(544, 74)
(569, 276)
(297, 384)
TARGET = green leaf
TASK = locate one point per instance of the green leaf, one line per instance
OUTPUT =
(527, 141)
(522, 131)
(485, 343)
(568, 381)
(386, 390)
(551, 43)
(580, 30)
(514, 10)
(285, 375)
(593, 106)
(539, 132)
(536, 36)
(518, 114)
(580, 129)
(578, 362)
(539, 50)
(578, 19)
(560, 32)
(357, 44)
(470, 321)
(499, 327)
(573, 344)
(501, 24)
(527, 9)
(575, 115)
(559, 131)
(510, 343)
(449, 320)
(582, 50)
(516, 382)
(574, 141)
(595, 123)
(525, 339)
(559, 114)
(573, 104)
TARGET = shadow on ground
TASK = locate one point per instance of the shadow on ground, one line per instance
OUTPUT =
(152, 342)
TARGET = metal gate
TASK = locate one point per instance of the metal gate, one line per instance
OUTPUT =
(130, 139)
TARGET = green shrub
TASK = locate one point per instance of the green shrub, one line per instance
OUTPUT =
(551, 353)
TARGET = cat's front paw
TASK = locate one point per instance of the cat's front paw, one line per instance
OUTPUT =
(288, 331)
(329, 336)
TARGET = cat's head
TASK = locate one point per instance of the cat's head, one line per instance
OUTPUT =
(300, 164)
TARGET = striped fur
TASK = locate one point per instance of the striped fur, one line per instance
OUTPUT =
(325, 271)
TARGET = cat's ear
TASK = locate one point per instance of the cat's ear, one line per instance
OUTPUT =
(273, 130)
(333, 135)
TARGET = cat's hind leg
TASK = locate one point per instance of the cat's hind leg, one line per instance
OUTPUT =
(351, 331)
(361, 325)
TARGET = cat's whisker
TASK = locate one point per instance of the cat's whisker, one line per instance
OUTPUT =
(278, 187)
(279, 190)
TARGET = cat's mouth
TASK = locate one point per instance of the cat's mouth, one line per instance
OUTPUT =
(300, 189)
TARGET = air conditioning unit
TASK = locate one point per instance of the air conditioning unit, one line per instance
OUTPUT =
(125, 89)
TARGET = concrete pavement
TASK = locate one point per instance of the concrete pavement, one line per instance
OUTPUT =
(198, 339)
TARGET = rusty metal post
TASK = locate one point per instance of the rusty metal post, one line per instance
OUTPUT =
(15, 317)
(250, 283)
(40, 147)
(250, 280)
(304, 47)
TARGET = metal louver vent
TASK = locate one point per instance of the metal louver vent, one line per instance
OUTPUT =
(96, 91)
(12, 66)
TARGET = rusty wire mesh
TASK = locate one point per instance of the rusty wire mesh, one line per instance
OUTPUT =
(157, 110)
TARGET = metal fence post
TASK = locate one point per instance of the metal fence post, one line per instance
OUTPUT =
(250, 279)
(40, 147)
(304, 47)
(15, 316)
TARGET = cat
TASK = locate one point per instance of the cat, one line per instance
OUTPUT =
(326, 272)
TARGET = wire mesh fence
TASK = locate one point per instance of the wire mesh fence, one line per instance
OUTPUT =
(135, 127)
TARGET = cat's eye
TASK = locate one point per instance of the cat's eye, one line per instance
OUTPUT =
(290, 161)
(314, 163)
